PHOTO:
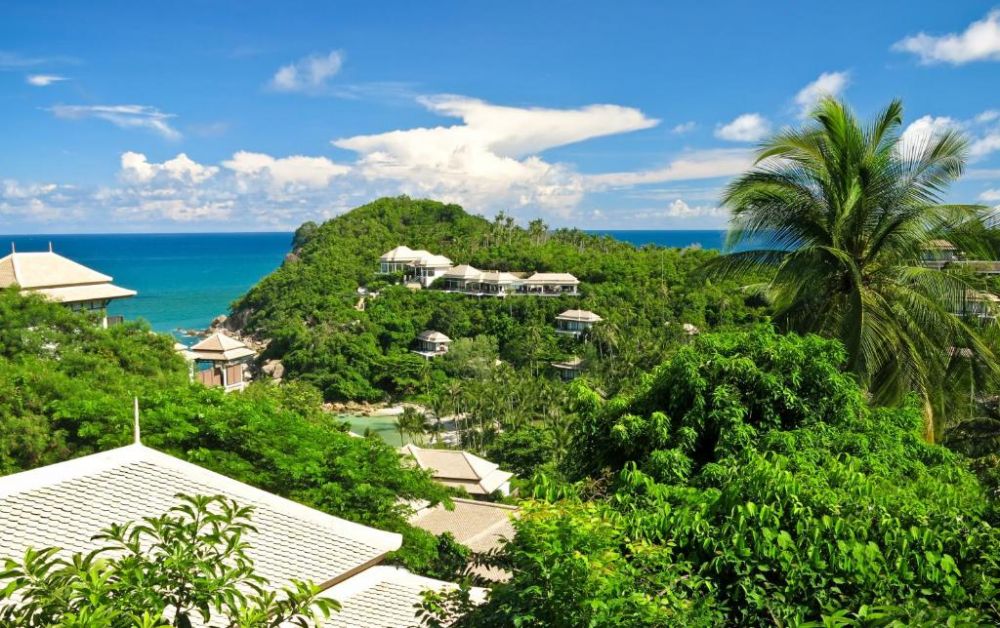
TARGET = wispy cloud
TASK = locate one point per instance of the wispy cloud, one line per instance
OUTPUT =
(749, 127)
(827, 84)
(308, 75)
(123, 116)
(990, 196)
(12, 60)
(43, 80)
(684, 127)
(980, 41)
(704, 164)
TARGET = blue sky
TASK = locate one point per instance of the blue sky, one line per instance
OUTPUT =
(238, 116)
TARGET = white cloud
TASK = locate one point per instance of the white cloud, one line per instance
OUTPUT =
(828, 84)
(990, 196)
(987, 116)
(309, 74)
(295, 171)
(680, 209)
(43, 80)
(29, 201)
(979, 42)
(137, 169)
(706, 164)
(922, 130)
(491, 160)
(749, 127)
(684, 127)
(989, 143)
(123, 116)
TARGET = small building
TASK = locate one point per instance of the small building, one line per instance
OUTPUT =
(569, 369)
(221, 360)
(65, 505)
(462, 278)
(551, 284)
(399, 259)
(428, 268)
(460, 469)
(480, 526)
(62, 280)
(576, 321)
(432, 344)
(938, 253)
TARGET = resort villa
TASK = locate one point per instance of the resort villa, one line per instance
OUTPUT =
(938, 253)
(460, 469)
(62, 280)
(222, 361)
(65, 505)
(576, 321)
(569, 369)
(480, 526)
(432, 344)
(425, 268)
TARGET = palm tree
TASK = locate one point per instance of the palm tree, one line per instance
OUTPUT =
(411, 423)
(845, 212)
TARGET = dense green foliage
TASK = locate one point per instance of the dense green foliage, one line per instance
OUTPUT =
(66, 389)
(848, 211)
(309, 307)
(748, 479)
(189, 564)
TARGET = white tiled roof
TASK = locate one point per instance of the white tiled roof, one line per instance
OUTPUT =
(64, 505)
(584, 316)
(401, 254)
(463, 271)
(499, 277)
(58, 278)
(433, 336)
(384, 597)
(547, 279)
(432, 261)
(460, 469)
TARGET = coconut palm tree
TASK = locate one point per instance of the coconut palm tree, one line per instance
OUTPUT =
(844, 213)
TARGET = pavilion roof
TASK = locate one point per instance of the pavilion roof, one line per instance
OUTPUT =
(460, 469)
(583, 316)
(58, 278)
(219, 347)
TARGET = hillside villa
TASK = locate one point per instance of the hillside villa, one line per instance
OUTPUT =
(576, 321)
(65, 504)
(569, 369)
(431, 344)
(425, 268)
(480, 526)
(62, 280)
(460, 469)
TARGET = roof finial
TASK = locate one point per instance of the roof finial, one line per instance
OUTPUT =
(12, 249)
(135, 426)
(50, 246)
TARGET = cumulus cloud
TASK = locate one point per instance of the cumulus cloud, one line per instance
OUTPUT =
(43, 80)
(684, 127)
(29, 201)
(924, 129)
(137, 169)
(309, 74)
(123, 116)
(491, 159)
(828, 84)
(980, 41)
(749, 127)
(295, 171)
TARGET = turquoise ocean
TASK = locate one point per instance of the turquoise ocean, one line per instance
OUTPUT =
(185, 280)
